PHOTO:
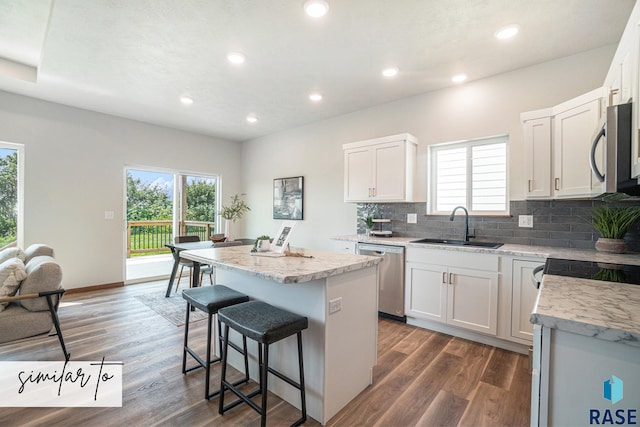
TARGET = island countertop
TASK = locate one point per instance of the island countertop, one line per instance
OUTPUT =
(312, 265)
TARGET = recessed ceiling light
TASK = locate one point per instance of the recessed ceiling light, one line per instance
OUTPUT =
(251, 118)
(390, 72)
(507, 32)
(459, 78)
(236, 57)
(186, 100)
(315, 97)
(316, 8)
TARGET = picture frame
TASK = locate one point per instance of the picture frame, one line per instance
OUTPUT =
(288, 198)
(281, 240)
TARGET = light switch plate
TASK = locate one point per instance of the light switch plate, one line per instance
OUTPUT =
(412, 218)
(108, 214)
(335, 305)
(525, 221)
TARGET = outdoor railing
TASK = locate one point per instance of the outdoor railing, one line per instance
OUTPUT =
(149, 237)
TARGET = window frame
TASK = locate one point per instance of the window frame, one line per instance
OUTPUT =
(20, 190)
(467, 144)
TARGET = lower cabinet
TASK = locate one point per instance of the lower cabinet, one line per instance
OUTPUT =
(443, 292)
(523, 298)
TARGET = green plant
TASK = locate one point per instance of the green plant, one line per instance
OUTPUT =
(368, 221)
(236, 209)
(613, 223)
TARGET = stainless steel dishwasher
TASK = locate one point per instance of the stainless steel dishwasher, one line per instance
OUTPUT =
(390, 278)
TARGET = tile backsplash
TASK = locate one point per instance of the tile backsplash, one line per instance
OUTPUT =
(561, 223)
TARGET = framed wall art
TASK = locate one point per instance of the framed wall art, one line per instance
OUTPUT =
(288, 196)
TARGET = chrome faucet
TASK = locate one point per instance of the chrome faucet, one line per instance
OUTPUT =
(466, 221)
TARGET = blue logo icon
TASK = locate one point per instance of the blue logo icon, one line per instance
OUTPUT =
(613, 389)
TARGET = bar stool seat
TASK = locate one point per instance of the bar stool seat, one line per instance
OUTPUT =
(266, 325)
(210, 299)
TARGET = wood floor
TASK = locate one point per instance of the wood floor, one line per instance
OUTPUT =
(422, 377)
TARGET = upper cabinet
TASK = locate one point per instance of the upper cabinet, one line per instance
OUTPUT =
(557, 144)
(381, 169)
(623, 78)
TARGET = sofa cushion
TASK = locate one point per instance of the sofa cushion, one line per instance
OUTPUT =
(12, 272)
(37, 249)
(9, 253)
(43, 274)
(18, 322)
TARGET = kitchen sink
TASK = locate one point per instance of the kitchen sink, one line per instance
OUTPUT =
(457, 243)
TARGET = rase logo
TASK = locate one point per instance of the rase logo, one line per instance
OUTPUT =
(613, 391)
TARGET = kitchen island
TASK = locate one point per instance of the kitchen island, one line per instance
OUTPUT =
(586, 333)
(336, 292)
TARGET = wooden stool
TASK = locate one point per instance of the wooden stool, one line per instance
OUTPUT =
(210, 299)
(265, 324)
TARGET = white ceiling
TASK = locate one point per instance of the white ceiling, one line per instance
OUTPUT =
(135, 58)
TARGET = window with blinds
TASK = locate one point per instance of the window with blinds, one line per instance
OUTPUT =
(472, 174)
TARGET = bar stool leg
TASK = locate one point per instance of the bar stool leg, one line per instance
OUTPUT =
(186, 335)
(223, 374)
(303, 401)
(263, 386)
(206, 384)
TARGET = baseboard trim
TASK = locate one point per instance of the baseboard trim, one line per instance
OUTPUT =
(468, 335)
(95, 288)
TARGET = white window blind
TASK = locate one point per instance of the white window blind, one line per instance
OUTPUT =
(472, 174)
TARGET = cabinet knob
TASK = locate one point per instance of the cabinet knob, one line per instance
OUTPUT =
(529, 185)
(557, 183)
(444, 277)
(451, 278)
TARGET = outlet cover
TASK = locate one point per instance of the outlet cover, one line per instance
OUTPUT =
(335, 305)
(525, 221)
(108, 214)
(412, 218)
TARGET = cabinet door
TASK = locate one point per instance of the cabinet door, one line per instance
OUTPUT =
(389, 171)
(426, 292)
(523, 298)
(572, 134)
(537, 146)
(473, 300)
(358, 174)
(344, 246)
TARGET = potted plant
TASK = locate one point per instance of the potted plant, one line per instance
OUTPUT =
(368, 222)
(261, 244)
(233, 212)
(613, 223)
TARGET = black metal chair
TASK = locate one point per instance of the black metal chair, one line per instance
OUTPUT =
(210, 299)
(267, 325)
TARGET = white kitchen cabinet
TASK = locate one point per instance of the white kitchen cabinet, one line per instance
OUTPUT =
(537, 148)
(344, 246)
(381, 169)
(523, 298)
(573, 130)
(557, 144)
(437, 289)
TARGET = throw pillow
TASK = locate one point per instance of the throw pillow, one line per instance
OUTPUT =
(12, 272)
(9, 253)
(43, 274)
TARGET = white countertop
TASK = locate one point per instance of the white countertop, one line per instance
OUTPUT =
(288, 269)
(604, 310)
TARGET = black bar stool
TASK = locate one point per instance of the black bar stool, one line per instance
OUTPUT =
(266, 325)
(210, 299)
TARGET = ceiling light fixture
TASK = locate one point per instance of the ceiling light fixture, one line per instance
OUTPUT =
(316, 8)
(459, 78)
(507, 32)
(315, 97)
(251, 118)
(390, 72)
(236, 57)
(186, 100)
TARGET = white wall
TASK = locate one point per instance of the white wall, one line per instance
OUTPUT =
(482, 108)
(74, 171)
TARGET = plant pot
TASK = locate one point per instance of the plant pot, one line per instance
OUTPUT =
(613, 246)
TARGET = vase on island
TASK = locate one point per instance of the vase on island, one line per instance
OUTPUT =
(228, 230)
